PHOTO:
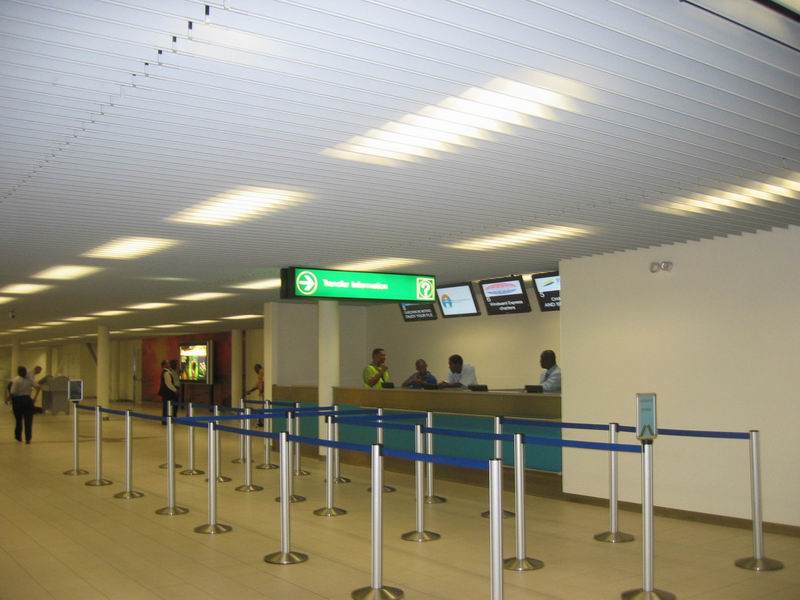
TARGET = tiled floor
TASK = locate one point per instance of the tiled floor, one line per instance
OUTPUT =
(61, 539)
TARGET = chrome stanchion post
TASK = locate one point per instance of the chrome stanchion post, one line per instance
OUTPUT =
(285, 556)
(98, 451)
(757, 562)
(218, 455)
(337, 464)
(239, 459)
(169, 415)
(288, 451)
(647, 591)
(430, 496)
(298, 470)
(76, 468)
(388, 489)
(496, 528)
(212, 527)
(419, 534)
(520, 562)
(613, 535)
(377, 590)
(267, 464)
(498, 455)
(128, 493)
(329, 510)
(248, 486)
(190, 433)
(171, 508)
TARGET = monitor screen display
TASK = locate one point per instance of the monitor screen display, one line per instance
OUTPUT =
(457, 300)
(195, 362)
(418, 311)
(505, 296)
(548, 290)
(75, 389)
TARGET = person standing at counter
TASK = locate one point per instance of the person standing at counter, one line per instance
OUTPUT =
(376, 373)
(461, 374)
(421, 377)
(550, 379)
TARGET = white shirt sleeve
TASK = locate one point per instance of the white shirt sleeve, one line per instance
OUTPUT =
(468, 376)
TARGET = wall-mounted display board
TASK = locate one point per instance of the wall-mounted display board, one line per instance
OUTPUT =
(308, 282)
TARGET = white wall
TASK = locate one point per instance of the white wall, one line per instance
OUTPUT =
(504, 349)
(718, 339)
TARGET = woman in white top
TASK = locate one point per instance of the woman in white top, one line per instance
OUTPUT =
(22, 403)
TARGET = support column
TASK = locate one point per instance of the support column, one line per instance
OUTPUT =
(237, 366)
(48, 362)
(103, 366)
(270, 347)
(15, 358)
(328, 354)
(115, 368)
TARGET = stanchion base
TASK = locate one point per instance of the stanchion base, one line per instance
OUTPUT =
(330, 512)
(99, 482)
(192, 472)
(302, 473)
(507, 514)
(614, 537)
(434, 499)
(285, 558)
(759, 564)
(383, 593)
(266, 466)
(421, 536)
(239, 461)
(293, 498)
(213, 529)
(249, 488)
(642, 595)
(171, 511)
(128, 495)
(341, 479)
(387, 489)
(166, 466)
(222, 479)
(76, 472)
(524, 564)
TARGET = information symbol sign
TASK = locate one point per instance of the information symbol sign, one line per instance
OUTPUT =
(426, 289)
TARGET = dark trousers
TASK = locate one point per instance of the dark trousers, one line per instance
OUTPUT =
(23, 413)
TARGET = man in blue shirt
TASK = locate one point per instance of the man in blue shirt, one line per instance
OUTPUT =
(551, 378)
(421, 377)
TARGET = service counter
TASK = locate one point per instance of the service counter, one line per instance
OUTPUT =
(453, 409)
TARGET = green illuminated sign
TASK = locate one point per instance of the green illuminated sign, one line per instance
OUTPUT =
(302, 282)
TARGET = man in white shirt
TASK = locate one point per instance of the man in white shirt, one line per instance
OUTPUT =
(550, 379)
(461, 374)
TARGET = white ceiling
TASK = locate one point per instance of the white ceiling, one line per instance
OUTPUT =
(662, 101)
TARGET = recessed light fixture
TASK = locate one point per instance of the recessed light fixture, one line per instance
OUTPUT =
(242, 317)
(149, 305)
(166, 326)
(79, 319)
(111, 313)
(130, 248)
(54, 323)
(261, 284)
(138, 329)
(67, 272)
(5, 299)
(25, 288)
(115, 332)
(238, 205)
(15, 330)
(200, 296)
(31, 327)
(378, 264)
(521, 237)
(200, 322)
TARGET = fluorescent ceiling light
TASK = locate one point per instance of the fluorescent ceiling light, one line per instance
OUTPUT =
(166, 326)
(238, 205)
(522, 237)
(79, 319)
(25, 288)
(377, 264)
(6, 299)
(138, 329)
(111, 313)
(54, 323)
(149, 305)
(130, 248)
(200, 296)
(29, 327)
(261, 284)
(15, 330)
(67, 272)
(242, 317)
(201, 322)
(115, 332)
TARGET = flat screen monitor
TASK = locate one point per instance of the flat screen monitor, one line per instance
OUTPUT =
(196, 362)
(547, 287)
(418, 311)
(75, 390)
(505, 296)
(457, 300)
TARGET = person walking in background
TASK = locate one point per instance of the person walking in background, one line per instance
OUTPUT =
(22, 404)
(259, 386)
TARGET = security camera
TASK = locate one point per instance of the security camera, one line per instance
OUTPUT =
(12, 314)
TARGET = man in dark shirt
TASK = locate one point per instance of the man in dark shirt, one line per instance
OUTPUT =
(421, 377)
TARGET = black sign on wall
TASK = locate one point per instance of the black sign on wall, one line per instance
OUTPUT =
(505, 296)
(418, 311)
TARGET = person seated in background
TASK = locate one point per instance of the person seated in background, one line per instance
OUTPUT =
(461, 374)
(376, 373)
(550, 379)
(421, 377)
